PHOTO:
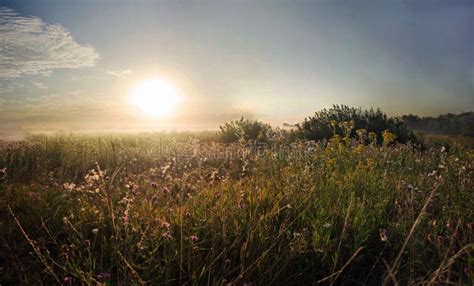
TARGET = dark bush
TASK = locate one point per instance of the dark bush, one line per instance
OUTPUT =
(341, 119)
(243, 129)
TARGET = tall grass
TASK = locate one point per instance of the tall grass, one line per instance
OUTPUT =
(179, 209)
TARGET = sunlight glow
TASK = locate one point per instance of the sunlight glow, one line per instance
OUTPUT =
(156, 97)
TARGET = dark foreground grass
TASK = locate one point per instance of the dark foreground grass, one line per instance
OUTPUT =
(166, 209)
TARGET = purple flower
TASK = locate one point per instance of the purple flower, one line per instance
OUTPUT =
(167, 235)
(282, 227)
(194, 238)
(103, 276)
(67, 280)
(154, 185)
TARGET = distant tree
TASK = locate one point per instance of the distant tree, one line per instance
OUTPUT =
(446, 124)
(328, 122)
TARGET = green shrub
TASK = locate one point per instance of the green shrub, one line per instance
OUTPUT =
(343, 120)
(243, 129)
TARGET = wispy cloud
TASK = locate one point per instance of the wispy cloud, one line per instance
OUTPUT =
(9, 86)
(30, 46)
(39, 85)
(123, 73)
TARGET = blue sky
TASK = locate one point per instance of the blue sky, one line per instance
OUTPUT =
(72, 64)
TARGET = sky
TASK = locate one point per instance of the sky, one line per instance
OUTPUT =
(73, 65)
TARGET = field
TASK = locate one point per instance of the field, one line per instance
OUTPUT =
(182, 209)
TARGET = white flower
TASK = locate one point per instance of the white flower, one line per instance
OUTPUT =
(69, 186)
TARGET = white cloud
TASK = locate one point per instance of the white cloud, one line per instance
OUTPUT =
(123, 73)
(39, 85)
(30, 46)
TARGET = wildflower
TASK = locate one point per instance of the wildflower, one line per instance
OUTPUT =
(126, 217)
(470, 226)
(165, 224)
(359, 149)
(282, 227)
(361, 133)
(373, 137)
(167, 235)
(397, 203)
(95, 231)
(194, 238)
(103, 276)
(449, 224)
(327, 225)
(65, 251)
(69, 186)
(383, 235)
(348, 126)
(64, 248)
(3, 173)
(440, 239)
(67, 280)
(154, 185)
(306, 232)
(166, 190)
(432, 174)
(162, 223)
(430, 237)
(388, 137)
(218, 195)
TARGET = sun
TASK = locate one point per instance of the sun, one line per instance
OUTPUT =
(156, 97)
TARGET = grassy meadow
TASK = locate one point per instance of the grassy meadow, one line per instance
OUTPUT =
(184, 209)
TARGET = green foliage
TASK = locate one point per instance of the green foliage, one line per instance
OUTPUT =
(243, 129)
(81, 207)
(345, 121)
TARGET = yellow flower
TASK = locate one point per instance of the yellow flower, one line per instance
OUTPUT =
(372, 137)
(359, 149)
(388, 137)
(361, 133)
